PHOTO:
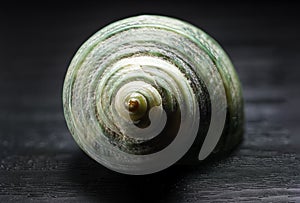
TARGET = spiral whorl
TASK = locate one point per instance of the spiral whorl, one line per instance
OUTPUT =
(141, 91)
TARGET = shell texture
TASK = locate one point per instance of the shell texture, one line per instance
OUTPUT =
(143, 92)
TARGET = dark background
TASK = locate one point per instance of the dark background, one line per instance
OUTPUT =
(39, 159)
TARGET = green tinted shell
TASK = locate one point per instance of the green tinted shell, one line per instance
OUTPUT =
(144, 91)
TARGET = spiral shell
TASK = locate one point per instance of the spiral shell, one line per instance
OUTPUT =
(145, 91)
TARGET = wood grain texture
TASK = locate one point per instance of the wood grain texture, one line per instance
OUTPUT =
(39, 161)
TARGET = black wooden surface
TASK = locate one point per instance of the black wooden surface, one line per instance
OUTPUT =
(39, 161)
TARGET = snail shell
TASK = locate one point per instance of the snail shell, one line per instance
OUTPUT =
(144, 91)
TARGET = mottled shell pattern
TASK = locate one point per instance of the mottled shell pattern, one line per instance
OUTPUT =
(143, 92)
